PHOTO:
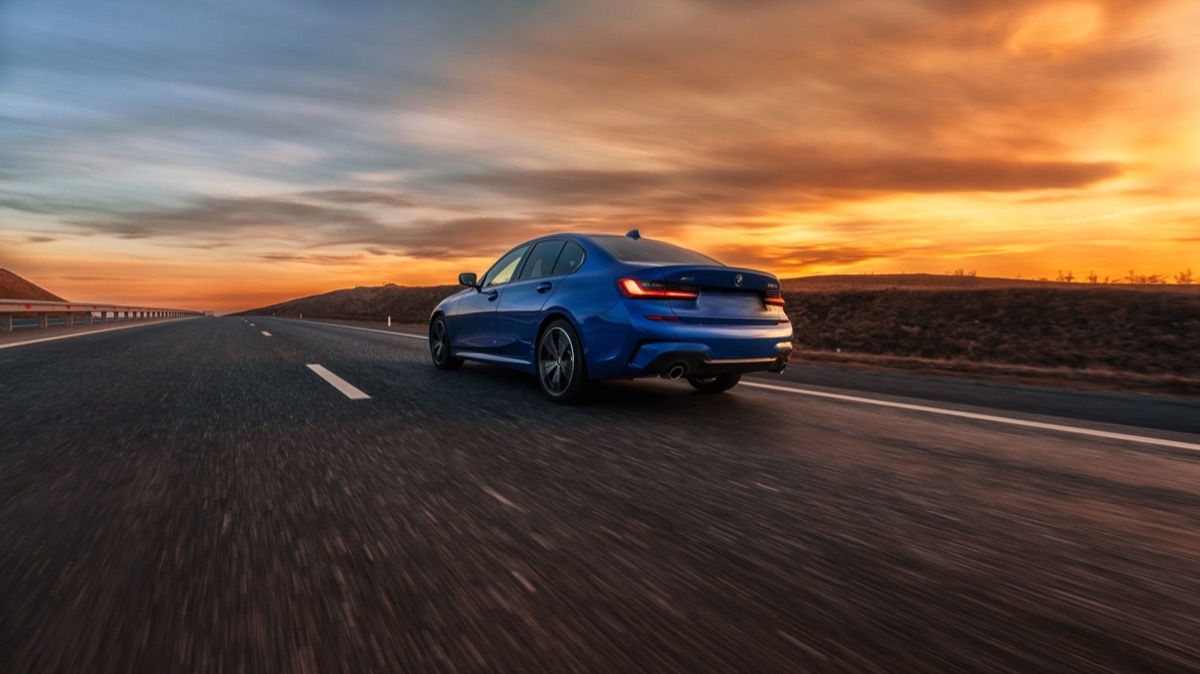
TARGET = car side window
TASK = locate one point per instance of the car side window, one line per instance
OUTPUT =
(541, 259)
(570, 259)
(502, 271)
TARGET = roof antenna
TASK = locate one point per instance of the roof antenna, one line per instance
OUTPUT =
(634, 234)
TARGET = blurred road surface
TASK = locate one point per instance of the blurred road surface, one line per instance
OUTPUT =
(192, 496)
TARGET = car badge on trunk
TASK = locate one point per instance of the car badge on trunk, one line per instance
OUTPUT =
(737, 280)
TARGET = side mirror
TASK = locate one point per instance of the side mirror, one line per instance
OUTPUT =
(467, 279)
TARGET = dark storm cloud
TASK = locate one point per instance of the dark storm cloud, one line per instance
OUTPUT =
(310, 259)
(223, 216)
(995, 10)
(464, 237)
(566, 186)
(775, 180)
(793, 257)
(909, 174)
(211, 223)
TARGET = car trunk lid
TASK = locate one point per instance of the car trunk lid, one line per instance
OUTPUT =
(725, 295)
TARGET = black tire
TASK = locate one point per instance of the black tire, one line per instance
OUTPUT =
(439, 346)
(561, 367)
(715, 384)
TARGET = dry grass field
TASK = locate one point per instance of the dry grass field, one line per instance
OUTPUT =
(838, 283)
(1103, 335)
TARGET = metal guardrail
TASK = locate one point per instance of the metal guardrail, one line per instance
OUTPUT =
(71, 310)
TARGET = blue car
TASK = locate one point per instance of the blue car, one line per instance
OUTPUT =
(574, 308)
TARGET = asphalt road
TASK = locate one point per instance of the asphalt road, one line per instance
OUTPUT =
(191, 496)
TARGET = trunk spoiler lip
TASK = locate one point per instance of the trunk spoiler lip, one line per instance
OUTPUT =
(728, 278)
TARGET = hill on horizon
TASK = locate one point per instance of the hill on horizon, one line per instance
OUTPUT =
(403, 303)
(13, 287)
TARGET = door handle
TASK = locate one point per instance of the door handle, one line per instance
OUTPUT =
(493, 295)
(543, 287)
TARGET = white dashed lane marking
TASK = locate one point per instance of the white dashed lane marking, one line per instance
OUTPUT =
(347, 389)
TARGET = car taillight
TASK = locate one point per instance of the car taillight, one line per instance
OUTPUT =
(774, 301)
(641, 290)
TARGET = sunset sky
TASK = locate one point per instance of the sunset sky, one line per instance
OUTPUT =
(228, 154)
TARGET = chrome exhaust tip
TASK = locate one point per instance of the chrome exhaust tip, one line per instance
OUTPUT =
(676, 371)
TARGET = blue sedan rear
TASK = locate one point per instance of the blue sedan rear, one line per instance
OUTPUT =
(574, 308)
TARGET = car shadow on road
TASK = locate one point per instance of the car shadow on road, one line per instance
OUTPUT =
(647, 395)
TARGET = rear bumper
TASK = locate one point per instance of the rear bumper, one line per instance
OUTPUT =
(698, 364)
(712, 350)
(623, 346)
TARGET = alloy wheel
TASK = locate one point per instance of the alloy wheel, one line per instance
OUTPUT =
(556, 361)
(439, 346)
(438, 343)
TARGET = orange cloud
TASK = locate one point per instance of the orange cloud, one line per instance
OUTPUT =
(699, 115)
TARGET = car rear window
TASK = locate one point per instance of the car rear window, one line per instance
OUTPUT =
(648, 250)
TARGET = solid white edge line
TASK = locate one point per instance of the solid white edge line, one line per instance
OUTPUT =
(266, 334)
(338, 383)
(351, 327)
(93, 332)
(982, 417)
